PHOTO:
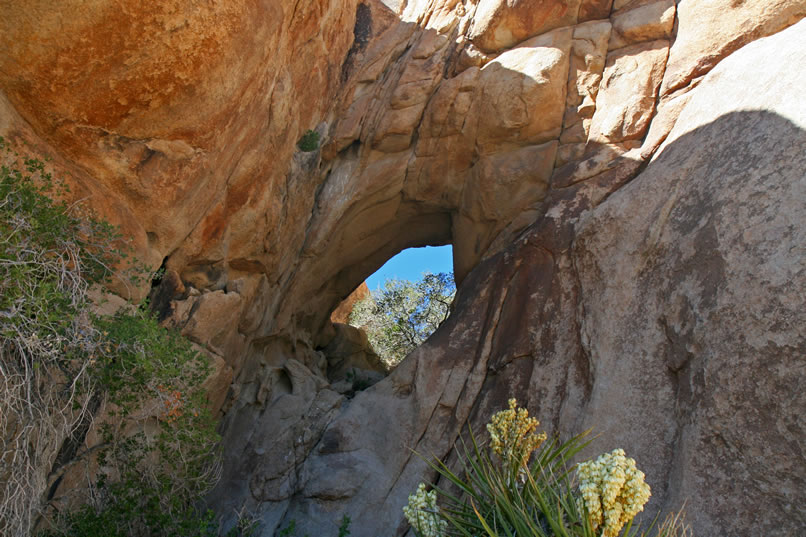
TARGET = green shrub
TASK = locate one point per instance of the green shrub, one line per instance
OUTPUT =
(158, 452)
(521, 485)
(159, 448)
(49, 255)
(309, 141)
(151, 482)
(291, 529)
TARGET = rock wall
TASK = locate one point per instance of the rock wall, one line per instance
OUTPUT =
(622, 182)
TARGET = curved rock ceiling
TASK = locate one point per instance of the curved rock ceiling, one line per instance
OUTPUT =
(622, 182)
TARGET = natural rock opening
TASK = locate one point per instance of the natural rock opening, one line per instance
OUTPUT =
(411, 263)
(404, 301)
(371, 330)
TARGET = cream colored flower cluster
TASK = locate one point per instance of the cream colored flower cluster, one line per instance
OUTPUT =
(513, 434)
(422, 513)
(613, 490)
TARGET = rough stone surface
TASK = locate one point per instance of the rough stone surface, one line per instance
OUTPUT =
(594, 9)
(500, 24)
(621, 181)
(588, 57)
(153, 113)
(523, 91)
(210, 318)
(645, 22)
(709, 30)
(352, 363)
(217, 384)
(626, 100)
(656, 365)
(686, 274)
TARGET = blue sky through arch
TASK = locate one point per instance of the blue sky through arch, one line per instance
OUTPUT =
(412, 262)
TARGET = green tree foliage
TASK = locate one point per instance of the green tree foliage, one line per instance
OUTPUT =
(153, 476)
(401, 315)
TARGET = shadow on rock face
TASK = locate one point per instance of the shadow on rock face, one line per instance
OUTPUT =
(660, 310)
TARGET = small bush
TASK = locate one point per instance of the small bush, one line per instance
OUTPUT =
(151, 481)
(309, 141)
(291, 529)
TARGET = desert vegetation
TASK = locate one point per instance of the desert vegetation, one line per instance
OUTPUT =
(68, 375)
(519, 483)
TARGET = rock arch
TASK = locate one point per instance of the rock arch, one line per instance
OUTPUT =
(510, 137)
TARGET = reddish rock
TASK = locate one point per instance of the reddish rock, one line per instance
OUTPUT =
(342, 313)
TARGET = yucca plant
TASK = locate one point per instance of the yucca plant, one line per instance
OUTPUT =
(522, 485)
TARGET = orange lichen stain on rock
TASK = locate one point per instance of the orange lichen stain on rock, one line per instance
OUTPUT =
(214, 225)
(129, 57)
(239, 195)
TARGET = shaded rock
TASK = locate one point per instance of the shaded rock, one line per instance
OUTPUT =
(397, 129)
(213, 318)
(569, 152)
(508, 183)
(342, 313)
(595, 160)
(588, 56)
(469, 56)
(701, 246)
(156, 109)
(505, 183)
(170, 288)
(349, 354)
(661, 363)
(594, 9)
(217, 383)
(408, 100)
(627, 250)
(203, 274)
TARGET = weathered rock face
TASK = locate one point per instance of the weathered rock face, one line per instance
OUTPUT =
(172, 120)
(622, 182)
